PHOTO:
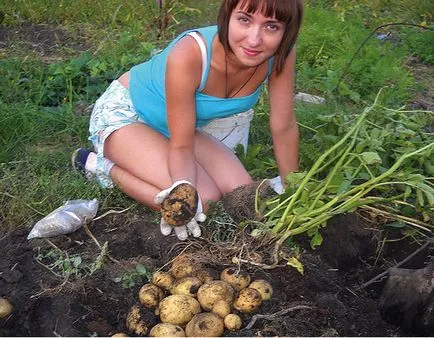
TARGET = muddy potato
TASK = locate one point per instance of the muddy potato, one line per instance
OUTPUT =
(204, 275)
(264, 288)
(186, 286)
(233, 322)
(180, 206)
(150, 295)
(135, 323)
(167, 330)
(212, 292)
(184, 265)
(221, 308)
(163, 280)
(5, 307)
(205, 325)
(255, 257)
(237, 279)
(178, 309)
(248, 300)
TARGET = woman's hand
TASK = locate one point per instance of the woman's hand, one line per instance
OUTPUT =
(191, 227)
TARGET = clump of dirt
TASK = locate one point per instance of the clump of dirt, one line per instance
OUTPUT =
(240, 203)
(324, 301)
(42, 39)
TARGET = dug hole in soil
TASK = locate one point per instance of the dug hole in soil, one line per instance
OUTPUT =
(327, 300)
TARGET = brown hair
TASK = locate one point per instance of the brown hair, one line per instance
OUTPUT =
(290, 12)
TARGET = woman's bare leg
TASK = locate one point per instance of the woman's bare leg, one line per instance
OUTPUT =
(220, 163)
(140, 156)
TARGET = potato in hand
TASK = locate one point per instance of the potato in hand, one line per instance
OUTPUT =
(180, 206)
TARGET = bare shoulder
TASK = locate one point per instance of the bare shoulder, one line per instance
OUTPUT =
(185, 56)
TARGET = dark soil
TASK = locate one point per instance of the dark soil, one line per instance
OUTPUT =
(46, 41)
(326, 301)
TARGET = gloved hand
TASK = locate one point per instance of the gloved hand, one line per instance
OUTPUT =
(191, 227)
(276, 185)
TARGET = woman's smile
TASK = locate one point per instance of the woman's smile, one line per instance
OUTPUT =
(253, 37)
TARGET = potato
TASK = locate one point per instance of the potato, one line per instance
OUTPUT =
(186, 286)
(233, 322)
(5, 307)
(135, 323)
(120, 334)
(204, 275)
(178, 309)
(163, 280)
(184, 265)
(212, 292)
(236, 279)
(264, 288)
(180, 206)
(221, 308)
(150, 295)
(248, 300)
(255, 257)
(205, 325)
(167, 330)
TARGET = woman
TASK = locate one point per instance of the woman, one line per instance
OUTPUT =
(146, 126)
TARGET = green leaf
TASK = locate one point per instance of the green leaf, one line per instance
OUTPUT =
(76, 261)
(419, 198)
(257, 232)
(344, 187)
(408, 211)
(407, 191)
(316, 240)
(370, 157)
(300, 210)
(141, 269)
(396, 224)
(318, 204)
(295, 263)
(294, 178)
(335, 182)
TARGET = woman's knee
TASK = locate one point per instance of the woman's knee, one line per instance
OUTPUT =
(210, 195)
(237, 179)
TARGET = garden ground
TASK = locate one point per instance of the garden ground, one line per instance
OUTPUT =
(326, 301)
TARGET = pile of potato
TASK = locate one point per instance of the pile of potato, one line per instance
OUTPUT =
(196, 305)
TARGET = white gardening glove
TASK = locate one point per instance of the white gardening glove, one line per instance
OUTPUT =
(276, 184)
(191, 227)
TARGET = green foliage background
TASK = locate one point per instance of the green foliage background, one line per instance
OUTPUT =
(40, 98)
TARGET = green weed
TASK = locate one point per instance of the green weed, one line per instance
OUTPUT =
(139, 274)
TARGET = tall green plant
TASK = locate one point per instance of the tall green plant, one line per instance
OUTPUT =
(347, 176)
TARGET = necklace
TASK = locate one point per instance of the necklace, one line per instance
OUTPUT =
(226, 80)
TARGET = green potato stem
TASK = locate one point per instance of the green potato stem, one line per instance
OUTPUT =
(300, 215)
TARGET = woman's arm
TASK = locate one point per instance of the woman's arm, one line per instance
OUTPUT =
(183, 75)
(283, 124)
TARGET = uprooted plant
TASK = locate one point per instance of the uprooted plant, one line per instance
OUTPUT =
(350, 175)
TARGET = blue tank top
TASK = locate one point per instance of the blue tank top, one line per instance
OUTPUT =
(147, 90)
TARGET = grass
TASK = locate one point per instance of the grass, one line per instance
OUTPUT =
(42, 96)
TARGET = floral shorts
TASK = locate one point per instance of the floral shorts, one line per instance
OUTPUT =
(112, 111)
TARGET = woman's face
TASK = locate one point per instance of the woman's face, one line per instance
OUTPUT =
(253, 37)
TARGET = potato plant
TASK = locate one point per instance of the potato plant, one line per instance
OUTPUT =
(357, 172)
